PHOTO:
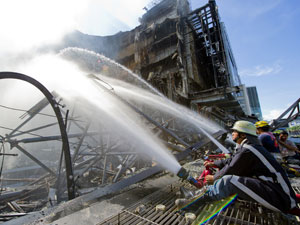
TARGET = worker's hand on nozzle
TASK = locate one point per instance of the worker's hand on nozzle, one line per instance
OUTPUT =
(209, 164)
(209, 179)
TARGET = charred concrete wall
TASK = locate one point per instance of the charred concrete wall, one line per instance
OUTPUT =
(158, 50)
(186, 55)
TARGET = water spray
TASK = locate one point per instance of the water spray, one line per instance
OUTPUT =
(218, 144)
(176, 110)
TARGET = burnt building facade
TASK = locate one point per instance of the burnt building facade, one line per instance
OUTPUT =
(185, 54)
(254, 102)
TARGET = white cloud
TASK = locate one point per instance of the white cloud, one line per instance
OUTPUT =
(272, 114)
(263, 8)
(107, 17)
(126, 11)
(262, 70)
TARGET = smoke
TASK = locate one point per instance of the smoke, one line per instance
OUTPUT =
(104, 18)
(26, 25)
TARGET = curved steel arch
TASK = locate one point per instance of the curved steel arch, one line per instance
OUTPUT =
(64, 136)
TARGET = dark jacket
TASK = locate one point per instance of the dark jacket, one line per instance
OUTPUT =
(269, 142)
(259, 175)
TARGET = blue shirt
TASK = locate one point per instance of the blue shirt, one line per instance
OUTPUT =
(269, 141)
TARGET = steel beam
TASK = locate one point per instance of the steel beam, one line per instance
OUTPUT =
(104, 170)
(83, 201)
(35, 129)
(80, 142)
(165, 130)
(32, 112)
(50, 138)
(276, 124)
(34, 159)
(55, 107)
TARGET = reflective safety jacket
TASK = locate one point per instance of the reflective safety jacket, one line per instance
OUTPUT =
(268, 140)
(258, 174)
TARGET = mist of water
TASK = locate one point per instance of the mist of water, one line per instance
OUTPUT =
(95, 63)
(164, 105)
(121, 122)
(73, 86)
(70, 80)
(124, 77)
(28, 25)
(223, 149)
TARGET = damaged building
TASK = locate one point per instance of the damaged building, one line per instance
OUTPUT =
(185, 54)
(95, 172)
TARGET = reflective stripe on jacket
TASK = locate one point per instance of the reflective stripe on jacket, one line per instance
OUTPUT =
(260, 176)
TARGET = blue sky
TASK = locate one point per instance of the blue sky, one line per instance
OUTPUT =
(264, 36)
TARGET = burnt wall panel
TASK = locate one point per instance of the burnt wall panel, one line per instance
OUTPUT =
(162, 10)
(179, 52)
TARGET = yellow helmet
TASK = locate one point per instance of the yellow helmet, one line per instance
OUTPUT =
(261, 123)
(244, 127)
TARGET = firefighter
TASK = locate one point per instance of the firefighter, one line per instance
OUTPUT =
(266, 137)
(252, 173)
(288, 148)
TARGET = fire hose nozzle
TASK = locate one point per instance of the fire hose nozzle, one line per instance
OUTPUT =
(185, 175)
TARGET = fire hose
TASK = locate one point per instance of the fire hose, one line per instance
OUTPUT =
(200, 181)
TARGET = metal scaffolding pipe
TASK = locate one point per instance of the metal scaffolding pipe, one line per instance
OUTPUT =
(84, 134)
(49, 138)
(38, 107)
(34, 159)
(55, 107)
(28, 131)
(165, 130)
(104, 169)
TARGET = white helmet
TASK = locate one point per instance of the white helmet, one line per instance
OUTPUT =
(245, 127)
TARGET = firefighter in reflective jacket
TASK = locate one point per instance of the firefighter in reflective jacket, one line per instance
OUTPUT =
(252, 173)
(266, 137)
